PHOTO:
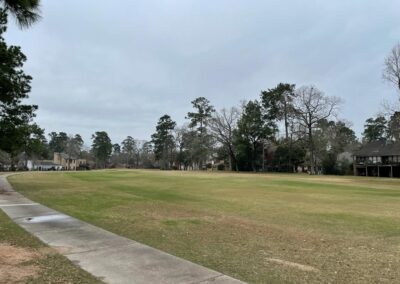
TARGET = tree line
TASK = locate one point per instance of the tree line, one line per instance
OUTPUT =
(239, 138)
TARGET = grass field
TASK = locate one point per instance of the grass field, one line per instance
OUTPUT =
(258, 228)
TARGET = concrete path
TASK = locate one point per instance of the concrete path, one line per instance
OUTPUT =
(111, 258)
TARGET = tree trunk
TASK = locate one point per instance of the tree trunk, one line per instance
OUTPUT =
(253, 159)
(286, 119)
(263, 157)
(13, 162)
(232, 159)
(311, 150)
(290, 152)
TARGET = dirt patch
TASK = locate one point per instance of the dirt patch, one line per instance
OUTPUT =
(293, 264)
(13, 267)
(13, 255)
(14, 274)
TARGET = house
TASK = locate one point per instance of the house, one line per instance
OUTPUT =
(379, 158)
(68, 162)
(61, 161)
(43, 165)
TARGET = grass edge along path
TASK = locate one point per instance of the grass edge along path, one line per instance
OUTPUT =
(25, 259)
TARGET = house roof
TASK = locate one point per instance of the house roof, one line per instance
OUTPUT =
(379, 148)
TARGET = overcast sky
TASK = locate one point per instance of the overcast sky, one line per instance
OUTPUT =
(119, 65)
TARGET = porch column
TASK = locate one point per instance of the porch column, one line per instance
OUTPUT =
(391, 171)
(366, 171)
(379, 171)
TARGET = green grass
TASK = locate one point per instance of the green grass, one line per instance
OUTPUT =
(51, 266)
(347, 228)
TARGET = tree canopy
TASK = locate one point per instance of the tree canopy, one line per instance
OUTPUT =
(26, 12)
(16, 126)
(101, 147)
(252, 132)
(310, 107)
(203, 113)
(163, 141)
(277, 103)
(375, 128)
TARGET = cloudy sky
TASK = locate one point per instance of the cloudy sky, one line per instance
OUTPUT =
(119, 65)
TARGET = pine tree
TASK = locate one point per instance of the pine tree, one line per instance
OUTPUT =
(16, 117)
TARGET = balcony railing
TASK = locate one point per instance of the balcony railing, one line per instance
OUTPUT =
(387, 160)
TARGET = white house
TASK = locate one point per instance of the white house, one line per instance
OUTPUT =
(43, 165)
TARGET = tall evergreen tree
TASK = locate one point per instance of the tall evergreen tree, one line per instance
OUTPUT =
(58, 142)
(101, 148)
(116, 149)
(253, 130)
(278, 104)
(203, 113)
(199, 120)
(36, 145)
(332, 138)
(375, 129)
(163, 141)
(129, 149)
(15, 116)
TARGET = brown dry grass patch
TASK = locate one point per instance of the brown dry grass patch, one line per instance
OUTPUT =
(15, 264)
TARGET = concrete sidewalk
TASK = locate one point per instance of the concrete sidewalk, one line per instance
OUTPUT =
(111, 258)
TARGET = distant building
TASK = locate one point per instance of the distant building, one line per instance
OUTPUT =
(61, 161)
(43, 165)
(378, 159)
(68, 162)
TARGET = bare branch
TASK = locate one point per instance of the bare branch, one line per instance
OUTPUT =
(312, 106)
(222, 124)
(391, 72)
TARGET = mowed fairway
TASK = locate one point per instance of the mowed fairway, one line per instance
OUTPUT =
(265, 228)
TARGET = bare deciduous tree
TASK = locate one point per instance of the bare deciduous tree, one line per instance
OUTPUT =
(391, 72)
(222, 125)
(311, 106)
